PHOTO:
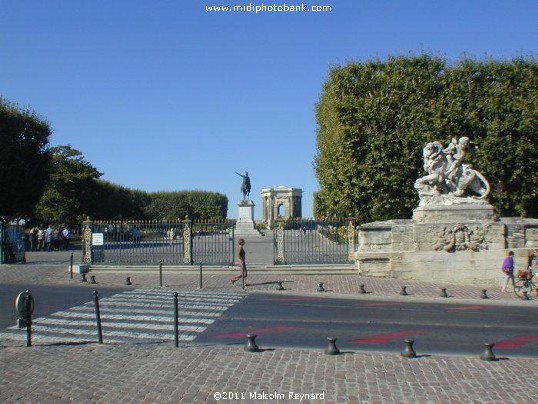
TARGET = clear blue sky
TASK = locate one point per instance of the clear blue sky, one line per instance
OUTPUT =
(164, 95)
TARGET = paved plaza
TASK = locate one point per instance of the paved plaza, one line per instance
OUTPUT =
(147, 372)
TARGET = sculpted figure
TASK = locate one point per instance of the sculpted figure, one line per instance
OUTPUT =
(245, 186)
(448, 174)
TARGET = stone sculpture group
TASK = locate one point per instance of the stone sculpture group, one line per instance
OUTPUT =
(450, 179)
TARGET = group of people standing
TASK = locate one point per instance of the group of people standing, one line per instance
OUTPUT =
(49, 239)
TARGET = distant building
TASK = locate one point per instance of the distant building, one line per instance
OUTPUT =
(281, 203)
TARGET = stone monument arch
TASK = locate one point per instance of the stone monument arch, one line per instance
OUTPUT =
(281, 203)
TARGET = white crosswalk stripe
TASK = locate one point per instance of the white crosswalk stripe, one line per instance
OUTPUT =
(141, 315)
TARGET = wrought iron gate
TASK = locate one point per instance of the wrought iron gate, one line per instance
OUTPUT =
(177, 242)
(303, 241)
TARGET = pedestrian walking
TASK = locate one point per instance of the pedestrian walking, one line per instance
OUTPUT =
(49, 238)
(242, 262)
(32, 237)
(67, 234)
(41, 239)
(508, 270)
(136, 235)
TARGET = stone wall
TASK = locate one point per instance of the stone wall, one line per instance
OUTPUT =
(453, 245)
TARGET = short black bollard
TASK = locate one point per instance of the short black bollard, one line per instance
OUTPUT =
(320, 287)
(176, 321)
(525, 295)
(444, 294)
(83, 278)
(362, 289)
(93, 282)
(279, 285)
(488, 355)
(161, 273)
(484, 294)
(98, 317)
(409, 352)
(331, 348)
(128, 281)
(201, 285)
(250, 345)
(404, 291)
(29, 310)
(71, 267)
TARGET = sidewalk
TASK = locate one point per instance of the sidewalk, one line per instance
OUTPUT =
(151, 373)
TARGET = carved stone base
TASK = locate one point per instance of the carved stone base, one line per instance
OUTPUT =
(461, 213)
(460, 244)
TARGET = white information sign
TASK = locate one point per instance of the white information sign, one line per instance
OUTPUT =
(97, 239)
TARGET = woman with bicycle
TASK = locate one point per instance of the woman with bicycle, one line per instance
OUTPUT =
(534, 267)
(508, 270)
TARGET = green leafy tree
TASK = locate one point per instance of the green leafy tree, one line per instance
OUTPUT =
(195, 204)
(71, 190)
(375, 117)
(115, 202)
(24, 160)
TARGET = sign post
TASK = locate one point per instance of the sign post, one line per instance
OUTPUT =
(25, 307)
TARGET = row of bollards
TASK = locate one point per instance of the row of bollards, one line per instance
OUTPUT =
(321, 288)
(404, 291)
(408, 352)
(93, 281)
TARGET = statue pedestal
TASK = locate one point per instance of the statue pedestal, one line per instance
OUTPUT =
(457, 213)
(245, 225)
(460, 244)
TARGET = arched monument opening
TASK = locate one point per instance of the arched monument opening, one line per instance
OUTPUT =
(281, 203)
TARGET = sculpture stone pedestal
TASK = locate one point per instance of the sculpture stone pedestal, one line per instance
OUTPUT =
(475, 212)
(245, 225)
(462, 243)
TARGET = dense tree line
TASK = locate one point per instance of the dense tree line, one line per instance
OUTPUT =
(375, 117)
(56, 185)
(24, 160)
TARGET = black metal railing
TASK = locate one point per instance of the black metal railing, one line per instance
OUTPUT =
(308, 241)
(172, 242)
(213, 242)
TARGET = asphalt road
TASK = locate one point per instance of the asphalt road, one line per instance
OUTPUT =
(307, 322)
(48, 299)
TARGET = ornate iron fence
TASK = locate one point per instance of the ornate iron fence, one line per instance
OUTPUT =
(307, 241)
(213, 242)
(174, 242)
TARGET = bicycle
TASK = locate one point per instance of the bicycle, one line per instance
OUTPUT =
(524, 282)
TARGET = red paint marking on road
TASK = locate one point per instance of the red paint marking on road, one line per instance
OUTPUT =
(517, 342)
(385, 338)
(466, 308)
(297, 299)
(260, 331)
(383, 304)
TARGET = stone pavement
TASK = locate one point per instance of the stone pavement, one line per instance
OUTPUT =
(148, 373)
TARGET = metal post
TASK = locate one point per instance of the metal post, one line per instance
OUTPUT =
(98, 317)
(161, 273)
(1, 243)
(176, 321)
(200, 274)
(29, 301)
(71, 267)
